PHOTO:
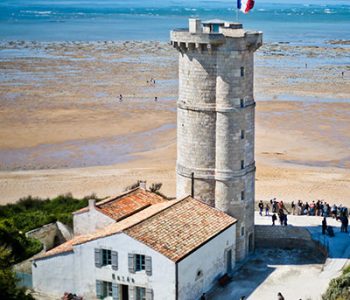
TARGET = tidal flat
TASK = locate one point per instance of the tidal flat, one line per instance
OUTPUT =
(82, 117)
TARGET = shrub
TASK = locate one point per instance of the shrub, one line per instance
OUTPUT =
(8, 288)
(339, 288)
(30, 213)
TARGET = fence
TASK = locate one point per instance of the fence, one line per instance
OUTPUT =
(24, 280)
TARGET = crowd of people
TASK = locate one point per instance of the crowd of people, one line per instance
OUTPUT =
(314, 208)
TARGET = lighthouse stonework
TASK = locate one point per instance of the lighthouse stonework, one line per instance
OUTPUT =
(215, 120)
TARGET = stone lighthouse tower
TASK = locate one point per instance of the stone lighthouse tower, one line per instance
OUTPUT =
(215, 120)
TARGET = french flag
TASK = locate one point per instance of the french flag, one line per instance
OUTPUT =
(245, 5)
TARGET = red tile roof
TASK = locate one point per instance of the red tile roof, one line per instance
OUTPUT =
(110, 229)
(173, 228)
(181, 228)
(126, 204)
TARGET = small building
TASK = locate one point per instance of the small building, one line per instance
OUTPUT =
(174, 249)
(114, 209)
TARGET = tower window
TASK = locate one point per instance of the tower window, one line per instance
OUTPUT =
(242, 134)
(241, 102)
(242, 231)
(242, 196)
(242, 71)
(242, 164)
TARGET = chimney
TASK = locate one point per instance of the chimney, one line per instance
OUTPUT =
(142, 184)
(195, 25)
(92, 204)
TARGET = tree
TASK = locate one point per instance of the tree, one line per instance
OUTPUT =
(8, 288)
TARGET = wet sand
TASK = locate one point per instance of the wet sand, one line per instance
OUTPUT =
(64, 129)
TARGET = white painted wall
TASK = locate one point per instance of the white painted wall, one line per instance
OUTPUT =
(90, 221)
(210, 259)
(54, 275)
(50, 275)
(76, 272)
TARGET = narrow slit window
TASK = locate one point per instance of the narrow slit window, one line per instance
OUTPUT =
(241, 102)
(242, 71)
(242, 164)
(242, 196)
(242, 231)
(242, 134)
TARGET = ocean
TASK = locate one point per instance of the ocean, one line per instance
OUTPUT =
(302, 22)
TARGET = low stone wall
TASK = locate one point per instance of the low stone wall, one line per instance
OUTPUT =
(284, 237)
(51, 235)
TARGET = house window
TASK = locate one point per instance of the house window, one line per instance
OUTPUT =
(106, 257)
(242, 196)
(140, 262)
(140, 293)
(241, 103)
(242, 71)
(242, 231)
(242, 134)
(106, 289)
(242, 164)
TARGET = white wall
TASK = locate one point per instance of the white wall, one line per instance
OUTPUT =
(210, 259)
(51, 273)
(90, 221)
(54, 275)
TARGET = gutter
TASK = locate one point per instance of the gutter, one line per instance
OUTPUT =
(176, 282)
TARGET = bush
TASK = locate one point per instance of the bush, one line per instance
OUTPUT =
(15, 245)
(8, 289)
(30, 213)
(339, 288)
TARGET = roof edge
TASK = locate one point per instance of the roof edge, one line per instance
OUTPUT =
(205, 242)
(52, 255)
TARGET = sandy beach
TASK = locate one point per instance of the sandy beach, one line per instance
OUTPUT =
(64, 128)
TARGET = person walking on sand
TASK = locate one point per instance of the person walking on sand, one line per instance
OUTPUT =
(274, 218)
(324, 225)
(280, 297)
(267, 210)
(293, 207)
(261, 207)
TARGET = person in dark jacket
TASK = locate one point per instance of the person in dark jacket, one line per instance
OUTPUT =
(324, 225)
(280, 297)
(274, 218)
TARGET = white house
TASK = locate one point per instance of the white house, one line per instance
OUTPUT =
(170, 250)
(114, 209)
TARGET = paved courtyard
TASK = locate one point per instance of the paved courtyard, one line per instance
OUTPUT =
(297, 274)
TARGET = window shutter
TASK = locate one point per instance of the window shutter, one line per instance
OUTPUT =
(114, 260)
(99, 289)
(115, 291)
(98, 258)
(148, 265)
(131, 262)
(131, 292)
(149, 294)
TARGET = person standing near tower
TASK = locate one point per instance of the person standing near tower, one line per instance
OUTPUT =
(261, 207)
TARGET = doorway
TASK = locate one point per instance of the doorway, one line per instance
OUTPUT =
(229, 261)
(250, 243)
(125, 292)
